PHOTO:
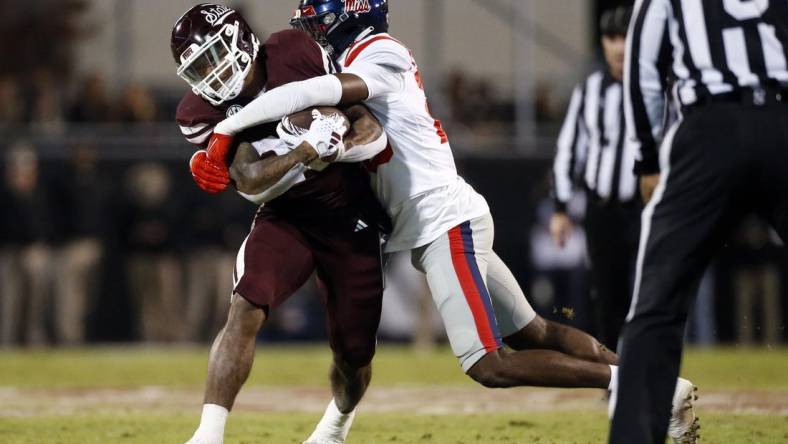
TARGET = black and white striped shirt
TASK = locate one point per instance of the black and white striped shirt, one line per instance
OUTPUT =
(592, 147)
(714, 47)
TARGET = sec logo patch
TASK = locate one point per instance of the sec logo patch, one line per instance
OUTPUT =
(233, 110)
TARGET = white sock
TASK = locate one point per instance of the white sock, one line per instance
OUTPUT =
(334, 425)
(613, 387)
(212, 423)
(613, 378)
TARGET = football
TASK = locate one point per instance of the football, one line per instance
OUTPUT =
(303, 119)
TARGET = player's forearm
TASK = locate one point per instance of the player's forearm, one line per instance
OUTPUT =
(366, 137)
(283, 101)
(254, 177)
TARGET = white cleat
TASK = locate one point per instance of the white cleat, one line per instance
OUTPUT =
(204, 440)
(684, 425)
(333, 427)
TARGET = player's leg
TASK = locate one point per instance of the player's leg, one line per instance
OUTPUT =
(456, 265)
(232, 353)
(351, 283)
(523, 329)
(353, 299)
(694, 205)
(349, 382)
(272, 263)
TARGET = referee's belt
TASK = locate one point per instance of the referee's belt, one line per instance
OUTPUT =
(757, 96)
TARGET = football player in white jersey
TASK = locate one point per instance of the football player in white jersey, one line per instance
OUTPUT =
(441, 219)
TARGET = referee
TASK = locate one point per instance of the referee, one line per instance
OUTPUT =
(727, 156)
(594, 151)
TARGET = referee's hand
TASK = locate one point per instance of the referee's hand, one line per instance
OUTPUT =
(560, 228)
(647, 184)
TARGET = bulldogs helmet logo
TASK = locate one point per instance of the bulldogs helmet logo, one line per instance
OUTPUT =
(216, 13)
(358, 6)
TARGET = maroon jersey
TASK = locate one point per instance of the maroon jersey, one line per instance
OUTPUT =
(290, 56)
(323, 225)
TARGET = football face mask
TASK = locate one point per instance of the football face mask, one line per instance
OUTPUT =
(216, 69)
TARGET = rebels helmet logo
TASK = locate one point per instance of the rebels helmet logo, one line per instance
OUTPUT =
(358, 6)
(216, 13)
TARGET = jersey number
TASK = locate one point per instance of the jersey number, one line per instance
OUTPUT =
(437, 123)
(734, 39)
(745, 9)
(385, 156)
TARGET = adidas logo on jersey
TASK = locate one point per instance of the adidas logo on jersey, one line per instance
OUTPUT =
(360, 225)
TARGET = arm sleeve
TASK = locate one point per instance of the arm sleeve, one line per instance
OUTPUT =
(644, 97)
(571, 141)
(367, 151)
(280, 102)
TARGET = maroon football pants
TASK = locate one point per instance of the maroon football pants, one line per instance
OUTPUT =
(279, 255)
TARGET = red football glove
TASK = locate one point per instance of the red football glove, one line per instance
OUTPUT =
(209, 167)
(218, 148)
(208, 175)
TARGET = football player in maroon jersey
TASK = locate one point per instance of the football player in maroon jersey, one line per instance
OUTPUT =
(314, 216)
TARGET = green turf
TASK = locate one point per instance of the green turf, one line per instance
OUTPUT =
(533, 428)
(719, 369)
(725, 369)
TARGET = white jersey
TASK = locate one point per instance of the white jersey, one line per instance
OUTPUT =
(415, 177)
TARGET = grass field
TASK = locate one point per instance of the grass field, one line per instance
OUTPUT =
(153, 395)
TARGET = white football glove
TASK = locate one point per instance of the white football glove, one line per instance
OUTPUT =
(324, 134)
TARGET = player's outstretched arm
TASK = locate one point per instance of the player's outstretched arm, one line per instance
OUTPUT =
(252, 175)
(327, 90)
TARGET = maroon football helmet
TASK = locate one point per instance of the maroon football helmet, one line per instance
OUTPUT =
(214, 49)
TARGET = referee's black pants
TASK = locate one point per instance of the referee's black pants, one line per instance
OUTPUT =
(612, 232)
(721, 162)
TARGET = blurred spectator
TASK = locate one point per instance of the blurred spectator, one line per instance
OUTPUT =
(25, 228)
(475, 109)
(757, 284)
(47, 102)
(92, 102)
(543, 103)
(702, 326)
(81, 197)
(137, 105)
(11, 107)
(559, 290)
(153, 270)
(210, 260)
(456, 91)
